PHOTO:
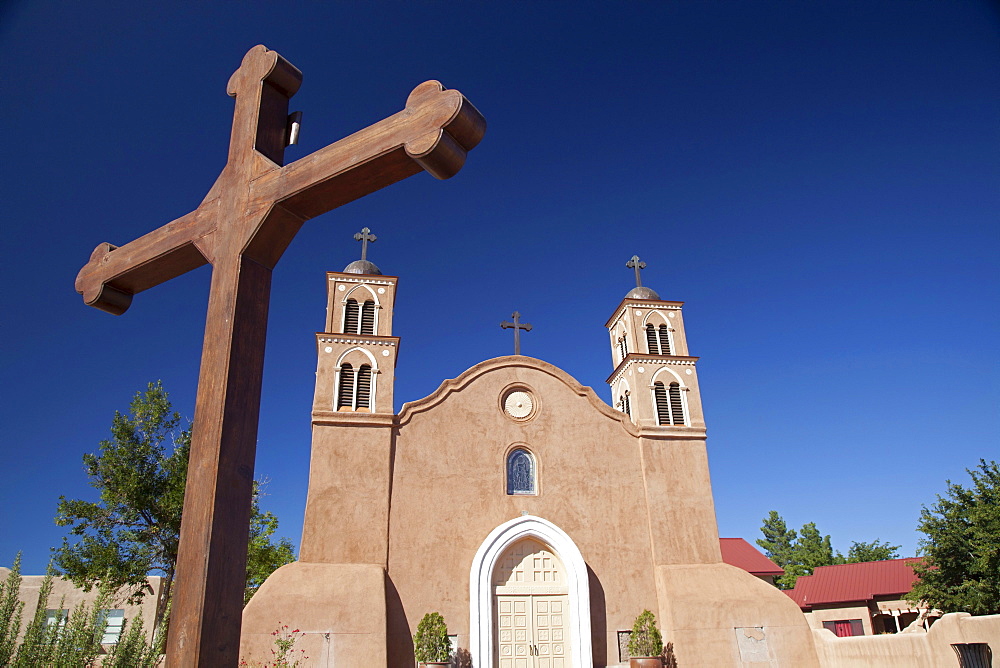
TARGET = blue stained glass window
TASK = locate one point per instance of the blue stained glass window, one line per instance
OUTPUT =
(520, 472)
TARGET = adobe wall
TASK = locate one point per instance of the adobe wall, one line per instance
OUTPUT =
(835, 613)
(912, 649)
(449, 493)
(70, 596)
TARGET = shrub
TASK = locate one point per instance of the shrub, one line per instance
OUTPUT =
(431, 641)
(646, 639)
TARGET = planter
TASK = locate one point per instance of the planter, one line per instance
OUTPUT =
(432, 664)
(645, 662)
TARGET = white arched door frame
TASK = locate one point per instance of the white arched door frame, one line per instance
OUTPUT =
(481, 622)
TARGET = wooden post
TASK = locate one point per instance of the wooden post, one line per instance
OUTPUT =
(242, 227)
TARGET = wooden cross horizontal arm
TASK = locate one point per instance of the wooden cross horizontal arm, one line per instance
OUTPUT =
(434, 133)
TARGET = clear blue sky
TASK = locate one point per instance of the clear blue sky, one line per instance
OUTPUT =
(817, 181)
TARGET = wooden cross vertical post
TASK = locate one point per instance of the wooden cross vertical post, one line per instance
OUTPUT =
(517, 326)
(241, 228)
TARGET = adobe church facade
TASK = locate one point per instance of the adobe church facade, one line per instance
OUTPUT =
(538, 520)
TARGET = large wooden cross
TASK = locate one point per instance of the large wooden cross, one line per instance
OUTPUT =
(241, 228)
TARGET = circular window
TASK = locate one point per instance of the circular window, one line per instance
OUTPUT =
(518, 403)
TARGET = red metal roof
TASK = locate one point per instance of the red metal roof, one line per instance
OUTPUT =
(846, 583)
(737, 552)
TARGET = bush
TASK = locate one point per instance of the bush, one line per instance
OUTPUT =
(431, 641)
(646, 639)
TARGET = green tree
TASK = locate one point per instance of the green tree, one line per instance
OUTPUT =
(797, 553)
(778, 542)
(961, 566)
(134, 528)
(873, 551)
(263, 556)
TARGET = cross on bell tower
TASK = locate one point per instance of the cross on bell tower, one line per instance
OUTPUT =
(634, 263)
(517, 326)
(365, 236)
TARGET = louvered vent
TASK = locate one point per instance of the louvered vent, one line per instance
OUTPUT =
(665, 340)
(351, 317)
(345, 394)
(662, 405)
(364, 386)
(627, 406)
(651, 340)
(368, 318)
(676, 407)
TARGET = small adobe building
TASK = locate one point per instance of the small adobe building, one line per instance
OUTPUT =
(866, 598)
(537, 519)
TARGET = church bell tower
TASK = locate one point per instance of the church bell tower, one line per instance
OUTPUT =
(357, 352)
(654, 381)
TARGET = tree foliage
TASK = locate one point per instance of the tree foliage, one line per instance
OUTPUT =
(800, 553)
(961, 567)
(134, 528)
(873, 551)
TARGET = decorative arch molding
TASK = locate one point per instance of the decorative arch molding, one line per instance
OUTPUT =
(481, 621)
(666, 371)
(371, 358)
(358, 288)
(655, 312)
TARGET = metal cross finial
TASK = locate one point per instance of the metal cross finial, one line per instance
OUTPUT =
(637, 264)
(517, 326)
(364, 236)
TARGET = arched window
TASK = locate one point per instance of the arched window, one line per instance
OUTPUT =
(368, 317)
(658, 339)
(669, 406)
(351, 316)
(520, 472)
(345, 394)
(622, 347)
(354, 391)
(624, 405)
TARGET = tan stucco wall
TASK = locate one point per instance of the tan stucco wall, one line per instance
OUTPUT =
(704, 608)
(914, 649)
(67, 596)
(449, 493)
(836, 613)
(339, 610)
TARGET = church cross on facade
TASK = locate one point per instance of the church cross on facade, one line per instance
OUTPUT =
(517, 326)
(242, 227)
(637, 264)
(365, 237)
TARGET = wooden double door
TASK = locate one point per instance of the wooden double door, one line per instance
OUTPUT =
(532, 631)
(531, 609)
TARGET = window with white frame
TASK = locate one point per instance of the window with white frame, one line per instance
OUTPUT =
(114, 620)
(354, 390)
(658, 339)
(669, 404)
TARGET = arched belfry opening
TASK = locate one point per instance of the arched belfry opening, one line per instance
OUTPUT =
(529, 598)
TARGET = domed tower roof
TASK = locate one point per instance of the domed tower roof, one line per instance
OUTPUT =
(363, 266)
(642, 292)
(639, 291)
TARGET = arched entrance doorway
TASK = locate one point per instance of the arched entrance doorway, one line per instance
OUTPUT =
(531, 608)
(528, 587)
